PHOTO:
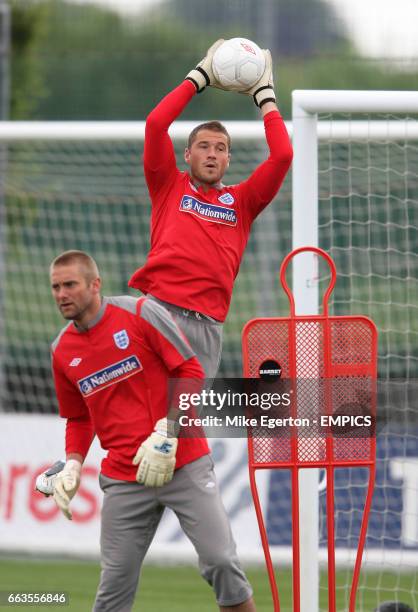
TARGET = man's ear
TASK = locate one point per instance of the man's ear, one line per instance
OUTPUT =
(97, 284)
(187, 155)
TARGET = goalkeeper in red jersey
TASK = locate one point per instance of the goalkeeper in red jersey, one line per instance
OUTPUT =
(111, 365)
(199, 226)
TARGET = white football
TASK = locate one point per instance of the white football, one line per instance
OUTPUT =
(238, 63)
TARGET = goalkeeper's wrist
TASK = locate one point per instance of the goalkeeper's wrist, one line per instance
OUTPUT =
(264, 94)
(73, 465)
(199, 78)
(167, 428)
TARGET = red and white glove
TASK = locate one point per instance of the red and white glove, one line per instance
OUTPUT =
(157, 456)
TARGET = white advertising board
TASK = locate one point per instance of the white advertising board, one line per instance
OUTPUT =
(30, 522)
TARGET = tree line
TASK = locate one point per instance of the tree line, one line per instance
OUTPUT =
(72, 61)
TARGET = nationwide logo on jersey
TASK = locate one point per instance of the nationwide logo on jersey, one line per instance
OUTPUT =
(188, 204)
(207, 211)
(110, 375)
(226, 198)
(121, 339)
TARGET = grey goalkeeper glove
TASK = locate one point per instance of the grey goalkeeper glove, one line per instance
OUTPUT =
(263, 91)
(45, 482)
(66, 485)
(202, 75)
(157, 456)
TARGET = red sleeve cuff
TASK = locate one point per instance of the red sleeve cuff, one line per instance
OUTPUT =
(79, 435)
(271, 115)
(188, 85)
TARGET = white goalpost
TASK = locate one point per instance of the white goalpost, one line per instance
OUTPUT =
(353, 191)
(308, 132)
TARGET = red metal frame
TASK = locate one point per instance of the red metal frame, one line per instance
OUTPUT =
(286, 455)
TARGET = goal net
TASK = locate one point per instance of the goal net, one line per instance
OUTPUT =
(355, 192)
(81, 186)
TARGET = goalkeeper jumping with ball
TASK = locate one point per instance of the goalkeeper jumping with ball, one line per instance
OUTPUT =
(199, 230)
(199, 226)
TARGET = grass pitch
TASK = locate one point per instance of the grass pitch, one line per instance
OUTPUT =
(181, 589)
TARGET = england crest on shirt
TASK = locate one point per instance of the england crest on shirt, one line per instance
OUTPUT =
(226, 198)
(121, 339)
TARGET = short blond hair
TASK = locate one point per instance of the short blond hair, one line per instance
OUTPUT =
(86, 261)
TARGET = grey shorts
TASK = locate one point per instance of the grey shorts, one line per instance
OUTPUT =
(203, 333)
(130, 516)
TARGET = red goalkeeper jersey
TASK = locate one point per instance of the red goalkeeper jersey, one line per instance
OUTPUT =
(112, 379)
(198, 238)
